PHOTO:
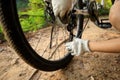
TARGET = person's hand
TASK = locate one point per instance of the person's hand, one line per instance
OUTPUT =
(77, 46)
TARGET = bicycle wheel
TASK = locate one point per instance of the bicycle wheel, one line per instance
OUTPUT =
(28, 52)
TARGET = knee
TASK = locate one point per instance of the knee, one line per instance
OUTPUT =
(114, 15)
(115, 20)
(112, 18)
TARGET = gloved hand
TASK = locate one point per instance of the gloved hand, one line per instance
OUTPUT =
(61, 8)
(77, 46)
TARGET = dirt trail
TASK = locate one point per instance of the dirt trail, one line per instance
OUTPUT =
(94, 66)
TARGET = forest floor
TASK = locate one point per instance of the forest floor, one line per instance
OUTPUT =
(93, 66)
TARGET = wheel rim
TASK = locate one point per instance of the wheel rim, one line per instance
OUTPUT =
(49, 44)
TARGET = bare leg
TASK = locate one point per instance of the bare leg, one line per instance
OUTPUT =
(109, 46)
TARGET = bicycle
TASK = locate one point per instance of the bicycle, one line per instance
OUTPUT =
(17, 40)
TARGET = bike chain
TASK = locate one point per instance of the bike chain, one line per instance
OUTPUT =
(49, 11)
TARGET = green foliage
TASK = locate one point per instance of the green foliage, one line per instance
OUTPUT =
(36, 1)
(21, 4)
(107, 6)
(107, 3)
(33, 18)
(31, 14)
(35, 4)
(103, 12)
(32, 23)
(0, 29)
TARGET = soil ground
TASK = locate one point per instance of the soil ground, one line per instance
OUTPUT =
(93, 66)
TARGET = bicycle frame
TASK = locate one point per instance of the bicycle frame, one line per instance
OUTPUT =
(81, 12)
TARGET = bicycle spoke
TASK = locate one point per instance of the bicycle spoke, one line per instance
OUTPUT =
(39, 39)
(45, 50)
(57, 48)
(64, 32)
(57, 40)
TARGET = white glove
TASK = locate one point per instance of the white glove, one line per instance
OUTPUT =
(62, 7)
(77, 47)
